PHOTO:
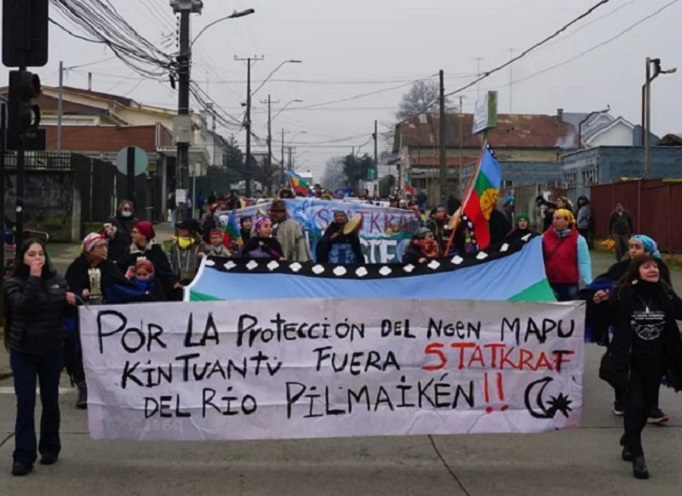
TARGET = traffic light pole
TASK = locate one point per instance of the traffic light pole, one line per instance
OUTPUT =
(19, 205)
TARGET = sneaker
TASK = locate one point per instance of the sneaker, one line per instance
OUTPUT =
(658, 417)
(48, 459)
(618, 410)
(20, 469)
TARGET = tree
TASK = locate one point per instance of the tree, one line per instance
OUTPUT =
(423, 97)
(333, 176)
(386, 185)
(355, 169)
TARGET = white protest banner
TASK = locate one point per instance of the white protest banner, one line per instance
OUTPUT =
(331, 368)
(384, 233)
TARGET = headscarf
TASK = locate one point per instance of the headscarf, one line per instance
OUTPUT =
(650, 246)
(90, 241)
(260, 222)
(568, 214)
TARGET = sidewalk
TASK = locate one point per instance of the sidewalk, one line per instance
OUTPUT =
(61, 255)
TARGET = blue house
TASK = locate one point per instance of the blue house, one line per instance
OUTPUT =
(606, 164)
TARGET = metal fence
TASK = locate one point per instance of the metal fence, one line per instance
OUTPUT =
(655, 207)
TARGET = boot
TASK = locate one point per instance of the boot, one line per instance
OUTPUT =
(82, 399)
(639, 469)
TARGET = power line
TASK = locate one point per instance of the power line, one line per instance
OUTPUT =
(362, 95)
(577, 30)
(528, 50)
(622, 33)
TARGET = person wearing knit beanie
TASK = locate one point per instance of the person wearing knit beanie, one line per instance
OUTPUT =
(92, 241)
(146, 229)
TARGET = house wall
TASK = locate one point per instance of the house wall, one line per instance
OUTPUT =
(618, 135)
(608, 164)
(102, 138)
(522, 173)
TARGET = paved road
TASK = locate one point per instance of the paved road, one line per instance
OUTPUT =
(577, 462)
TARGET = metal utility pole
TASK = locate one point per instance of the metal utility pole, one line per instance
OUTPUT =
(247, 123)
(182, 124)
(511, 80)
(290, 148)
(646, 104)
(270, 102)
(441, 141)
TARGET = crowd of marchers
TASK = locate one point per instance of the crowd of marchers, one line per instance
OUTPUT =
(631, 309)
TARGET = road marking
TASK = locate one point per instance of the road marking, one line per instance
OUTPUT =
(10, 390)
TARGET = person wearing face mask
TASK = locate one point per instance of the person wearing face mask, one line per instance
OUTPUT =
(118, 230)
(36, 302)
(186, 252)
(598, 318)
(567, 257)
(646, 347)
(422, 249)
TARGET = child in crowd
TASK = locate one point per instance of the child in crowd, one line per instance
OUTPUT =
(263, 245)
(142, 275)
(217, 248)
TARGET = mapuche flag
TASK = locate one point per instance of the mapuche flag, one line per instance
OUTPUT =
(232, 231)
(481, 198)
(298, 184)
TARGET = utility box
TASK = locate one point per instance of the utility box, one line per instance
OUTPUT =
(182, 130)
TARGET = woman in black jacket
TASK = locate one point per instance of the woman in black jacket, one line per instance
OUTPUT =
(36, 300)
(646, 347)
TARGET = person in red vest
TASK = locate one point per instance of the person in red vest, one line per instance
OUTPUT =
(567, 257)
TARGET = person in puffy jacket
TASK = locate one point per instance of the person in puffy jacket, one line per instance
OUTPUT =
(36, 302)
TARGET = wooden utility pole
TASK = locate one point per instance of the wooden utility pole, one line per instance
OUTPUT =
(441, 139)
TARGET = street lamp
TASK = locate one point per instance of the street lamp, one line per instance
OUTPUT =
(233, 15)
(589, 116)
(291, 61)
(646, 104)
(285, 106)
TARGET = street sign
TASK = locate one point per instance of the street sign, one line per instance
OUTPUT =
(485, 115)
(139, 161)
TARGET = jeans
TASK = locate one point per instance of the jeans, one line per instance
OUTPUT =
(46, 369)
(565, 292)
(621, 245)
(642, 396)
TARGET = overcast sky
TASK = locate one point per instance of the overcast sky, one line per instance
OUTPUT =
(354, 47)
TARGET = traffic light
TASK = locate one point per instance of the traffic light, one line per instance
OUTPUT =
(22, 115)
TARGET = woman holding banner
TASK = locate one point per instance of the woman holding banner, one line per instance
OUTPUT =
(646, 347)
